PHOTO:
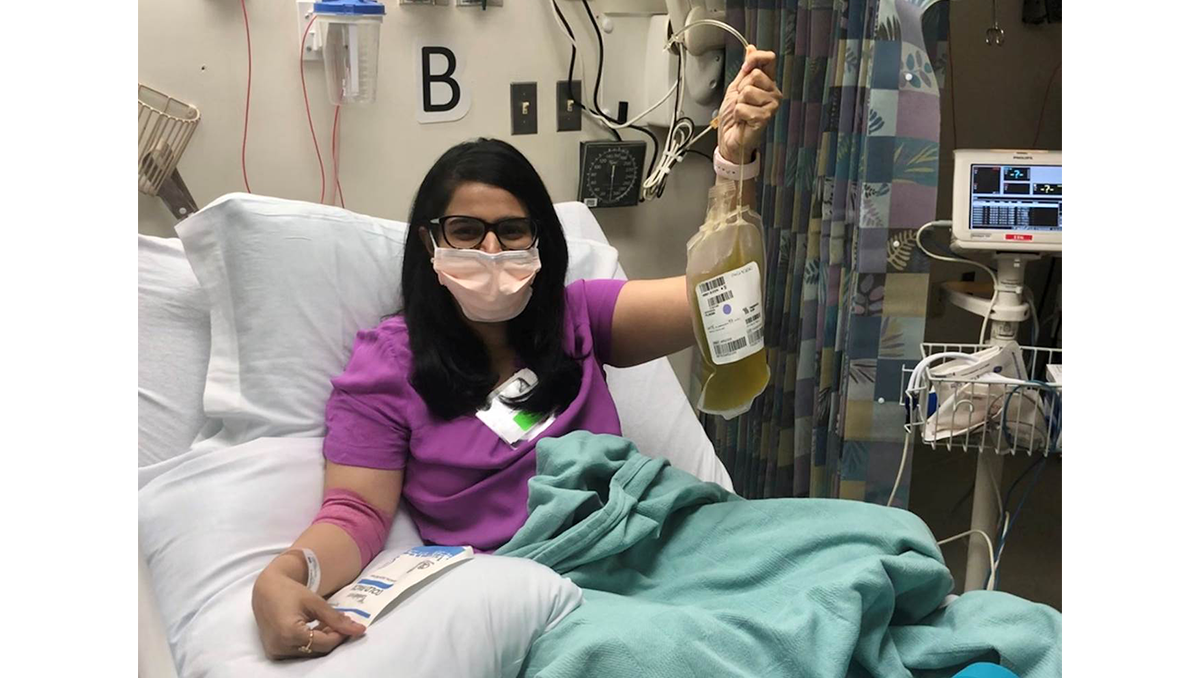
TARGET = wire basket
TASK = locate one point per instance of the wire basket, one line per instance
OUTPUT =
(983, 416)
(165, 126)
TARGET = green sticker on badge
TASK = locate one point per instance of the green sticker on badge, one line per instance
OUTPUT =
(526, 420)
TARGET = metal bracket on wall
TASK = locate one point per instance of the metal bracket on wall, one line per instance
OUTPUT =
(176, 196)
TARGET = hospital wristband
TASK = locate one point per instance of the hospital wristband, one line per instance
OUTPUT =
(314, 568)
(734, 171)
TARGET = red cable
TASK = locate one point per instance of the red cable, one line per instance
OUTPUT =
(308, 110)
(249, 75)
(1045, 100)
(333, 150)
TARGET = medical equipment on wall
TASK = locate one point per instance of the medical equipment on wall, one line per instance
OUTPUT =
(593, 110)
(350, 46)
(994, 398)
(724, 283)
(691, 29)
(699, 46)
(165, 126)
(610, 172)
(698, 59)
(703, 44)
(678, 74)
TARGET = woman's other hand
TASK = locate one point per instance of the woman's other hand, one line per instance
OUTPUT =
(750, 101)
(283, 608)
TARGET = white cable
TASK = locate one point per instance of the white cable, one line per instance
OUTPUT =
(962, 260)
(900, 471)
(673, 152)
(1004, 526)
(554, 10)
(579, 57)
(1037, 320)
(678, 37)
(991, 582)
(676, 154)
(678, 140)
(1003, 542)
(919, 370)
(698, 137)
(648, 111)
(986, 318)
(908, 441)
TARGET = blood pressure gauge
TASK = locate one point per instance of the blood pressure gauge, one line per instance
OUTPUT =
(610, 172)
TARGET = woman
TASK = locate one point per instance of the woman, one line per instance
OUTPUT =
(443, 404)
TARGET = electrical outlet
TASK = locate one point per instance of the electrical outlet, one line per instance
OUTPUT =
(570, 116)
(524, 108)
(311, 32)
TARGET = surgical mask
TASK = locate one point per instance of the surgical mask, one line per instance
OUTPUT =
(490, 288)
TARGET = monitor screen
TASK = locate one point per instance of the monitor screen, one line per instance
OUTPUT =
(1016, 197)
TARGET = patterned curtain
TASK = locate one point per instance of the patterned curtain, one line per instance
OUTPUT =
(850, 171)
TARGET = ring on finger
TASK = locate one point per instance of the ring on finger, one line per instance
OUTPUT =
(307, 649)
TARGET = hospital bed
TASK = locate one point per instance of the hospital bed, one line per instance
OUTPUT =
(260, 291)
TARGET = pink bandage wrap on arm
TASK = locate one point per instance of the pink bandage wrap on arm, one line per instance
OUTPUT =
(366, 525)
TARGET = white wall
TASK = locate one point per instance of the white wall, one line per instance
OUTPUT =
(195, 50)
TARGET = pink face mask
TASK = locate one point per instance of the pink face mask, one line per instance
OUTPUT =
(490, 288)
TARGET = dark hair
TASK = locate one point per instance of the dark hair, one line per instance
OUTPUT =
(451, 368)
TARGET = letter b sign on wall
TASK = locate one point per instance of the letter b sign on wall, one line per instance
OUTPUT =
(441, 94)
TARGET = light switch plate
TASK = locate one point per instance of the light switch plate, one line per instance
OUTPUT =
(524, 108)
(566, 106)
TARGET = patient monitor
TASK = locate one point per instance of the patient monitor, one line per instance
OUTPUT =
(1008, 204)
(1007, 201)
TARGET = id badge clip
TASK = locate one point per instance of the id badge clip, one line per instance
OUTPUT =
(513, 425)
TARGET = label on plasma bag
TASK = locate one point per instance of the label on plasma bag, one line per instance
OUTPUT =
(731, 310)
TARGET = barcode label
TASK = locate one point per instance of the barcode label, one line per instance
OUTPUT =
(730, 305)
(724, 348)
(710, 285)
(721, 298)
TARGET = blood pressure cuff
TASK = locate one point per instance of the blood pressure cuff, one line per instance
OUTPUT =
(366, 525)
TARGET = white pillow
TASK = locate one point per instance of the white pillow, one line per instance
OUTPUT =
(173, 345)
(288, 290)
(211, 523)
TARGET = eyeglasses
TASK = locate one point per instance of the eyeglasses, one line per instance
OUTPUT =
(468, 233)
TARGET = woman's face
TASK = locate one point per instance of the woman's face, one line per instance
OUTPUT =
(485, 202)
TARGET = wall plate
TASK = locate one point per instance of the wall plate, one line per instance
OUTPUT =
(524, 107)
(566, 107)
(312, 39)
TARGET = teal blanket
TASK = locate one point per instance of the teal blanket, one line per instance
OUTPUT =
(682, 578)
